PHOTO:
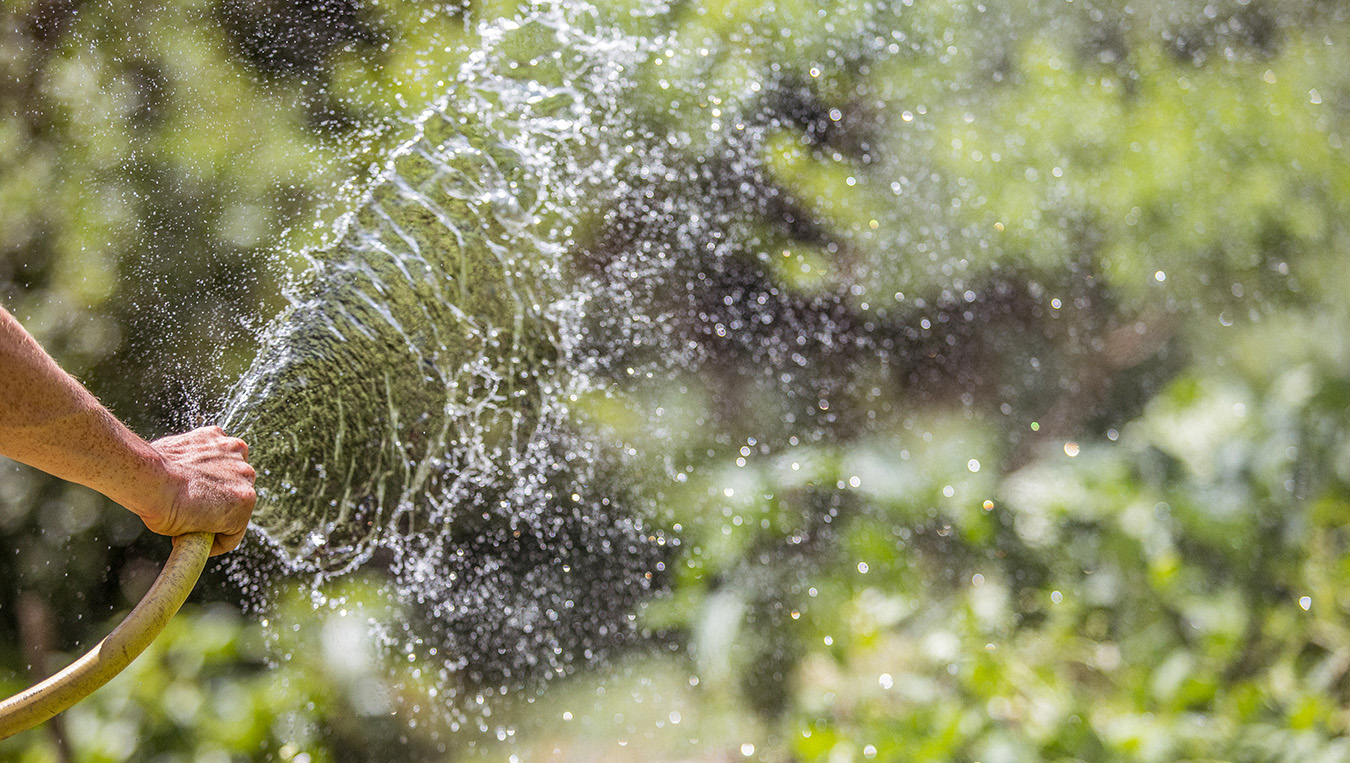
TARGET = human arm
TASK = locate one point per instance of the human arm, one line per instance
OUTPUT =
(195, 481)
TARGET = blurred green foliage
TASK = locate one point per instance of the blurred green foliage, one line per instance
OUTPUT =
(1081, 495)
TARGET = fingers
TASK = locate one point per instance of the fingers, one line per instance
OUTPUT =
(226, 442)
(215, 486)
(216, 436)
(243, 503)
(251, 497)
(245, 498)
(225, 543)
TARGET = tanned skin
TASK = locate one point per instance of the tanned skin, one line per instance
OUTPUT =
(198, 481)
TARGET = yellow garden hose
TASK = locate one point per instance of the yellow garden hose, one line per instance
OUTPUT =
(38, 703)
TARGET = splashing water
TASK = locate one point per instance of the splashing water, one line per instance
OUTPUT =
(414, 407)
(410, 407)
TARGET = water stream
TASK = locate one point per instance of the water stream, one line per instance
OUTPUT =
(410, 408)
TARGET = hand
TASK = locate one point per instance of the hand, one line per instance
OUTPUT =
(210, 487)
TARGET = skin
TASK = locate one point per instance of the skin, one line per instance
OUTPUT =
(198, 481)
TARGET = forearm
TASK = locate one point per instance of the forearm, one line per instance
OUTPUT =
(48, 421)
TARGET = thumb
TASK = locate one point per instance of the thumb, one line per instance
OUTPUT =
(225, 542)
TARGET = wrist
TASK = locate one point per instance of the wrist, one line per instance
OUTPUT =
(151, 488)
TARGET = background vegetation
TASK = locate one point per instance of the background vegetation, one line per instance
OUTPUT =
(1053, 461)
